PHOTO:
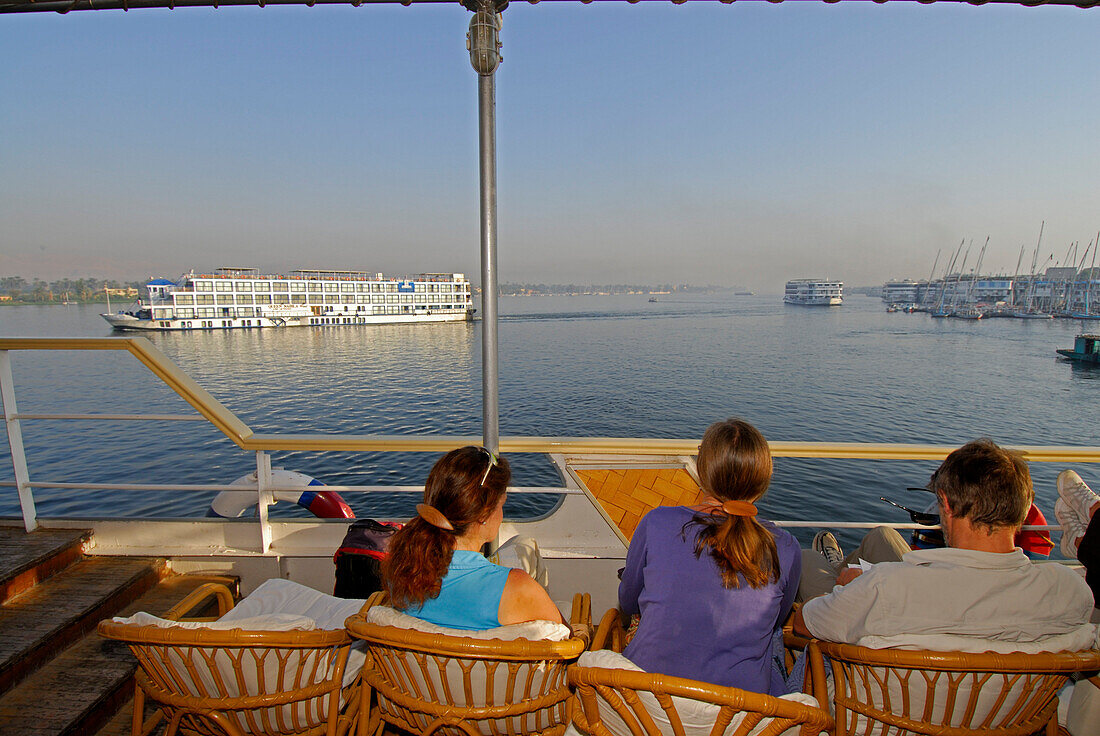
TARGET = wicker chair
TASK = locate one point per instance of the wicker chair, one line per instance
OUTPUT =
(427, 683)
(896, 692)
(235, 682)
(620, 702)
(610, 634)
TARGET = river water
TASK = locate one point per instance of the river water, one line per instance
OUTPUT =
(615, 366)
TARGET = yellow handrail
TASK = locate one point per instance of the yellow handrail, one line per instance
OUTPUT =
(240, 433)
(158, 363)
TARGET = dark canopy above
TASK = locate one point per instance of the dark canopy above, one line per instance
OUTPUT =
(64, 6)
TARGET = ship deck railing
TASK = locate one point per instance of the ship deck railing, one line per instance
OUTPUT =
(311, 275)
(210, 410)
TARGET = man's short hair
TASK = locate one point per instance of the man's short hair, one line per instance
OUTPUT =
(985, 484)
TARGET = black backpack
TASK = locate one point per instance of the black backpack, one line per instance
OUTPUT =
(360, 556)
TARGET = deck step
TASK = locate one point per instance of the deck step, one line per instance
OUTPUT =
(28, 559)
(85, 686)
(42, 621)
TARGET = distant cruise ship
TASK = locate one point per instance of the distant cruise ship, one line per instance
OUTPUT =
(814, 292)
(234, 298)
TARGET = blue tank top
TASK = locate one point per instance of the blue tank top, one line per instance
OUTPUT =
(469, 596)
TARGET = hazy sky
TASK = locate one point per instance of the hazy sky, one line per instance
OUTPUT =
(703, 143)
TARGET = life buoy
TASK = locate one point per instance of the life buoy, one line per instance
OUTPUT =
(1035, 544)
(322, 504)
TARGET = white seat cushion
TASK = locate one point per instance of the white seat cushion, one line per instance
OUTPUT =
(280, 597)
(285, 596)
(531, 630)
(1082, 711)
(264, 622)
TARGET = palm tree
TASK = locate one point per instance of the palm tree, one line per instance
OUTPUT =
(41, 291)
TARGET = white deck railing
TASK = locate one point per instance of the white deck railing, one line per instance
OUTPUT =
(211, 410)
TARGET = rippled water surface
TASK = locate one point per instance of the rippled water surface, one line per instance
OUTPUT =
(580, 366)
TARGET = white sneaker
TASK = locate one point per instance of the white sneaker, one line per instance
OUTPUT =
(1072, 528)
(1077, 495)
(826, 545)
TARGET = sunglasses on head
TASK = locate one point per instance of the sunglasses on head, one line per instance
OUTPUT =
(493, 462)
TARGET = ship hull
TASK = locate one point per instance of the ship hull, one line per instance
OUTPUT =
(828, 302)
(130, 323)
(1092, 358)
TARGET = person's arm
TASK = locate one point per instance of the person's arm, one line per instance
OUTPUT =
(525, 600)
(794, 574)
(798, 625)
(630, 584)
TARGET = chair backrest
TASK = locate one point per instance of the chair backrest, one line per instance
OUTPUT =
(240, 682)
(894, 692)
(428, 682)
(617, 702)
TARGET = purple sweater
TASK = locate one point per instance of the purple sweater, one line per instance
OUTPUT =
(691, 626)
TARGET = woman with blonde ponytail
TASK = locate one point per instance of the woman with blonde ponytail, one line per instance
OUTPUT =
(435, 570)
(713, 582)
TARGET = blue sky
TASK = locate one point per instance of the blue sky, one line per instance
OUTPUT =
(704, 143)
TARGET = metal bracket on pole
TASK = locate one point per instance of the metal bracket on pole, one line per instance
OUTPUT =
(15, 442)
(483, 43)
(264, 497)
(475, 5)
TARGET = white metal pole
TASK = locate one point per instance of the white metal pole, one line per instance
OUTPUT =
(490, 375)
(263, 497)
(483, 42)
(15, 442)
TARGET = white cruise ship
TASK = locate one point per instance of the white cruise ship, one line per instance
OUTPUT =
(814, 292)
(235, 298)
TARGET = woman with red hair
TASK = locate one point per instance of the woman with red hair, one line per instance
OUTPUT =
(435, 570)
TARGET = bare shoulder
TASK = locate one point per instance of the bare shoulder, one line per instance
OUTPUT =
(525, 600)
(522, 585)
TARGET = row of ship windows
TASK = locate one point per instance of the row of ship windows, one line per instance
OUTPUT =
(211, 323)
(317, 286)
(188, 313)
(357, 320)
(189, 299)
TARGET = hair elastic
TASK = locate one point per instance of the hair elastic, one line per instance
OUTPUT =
(433, 517)
(739, 508)
(730, 508)
(736, 508)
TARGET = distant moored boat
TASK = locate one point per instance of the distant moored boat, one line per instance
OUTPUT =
(1031, 314)
(967, 313)
(1086, 348)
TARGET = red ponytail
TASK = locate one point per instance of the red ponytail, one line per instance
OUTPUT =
(465, 486)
